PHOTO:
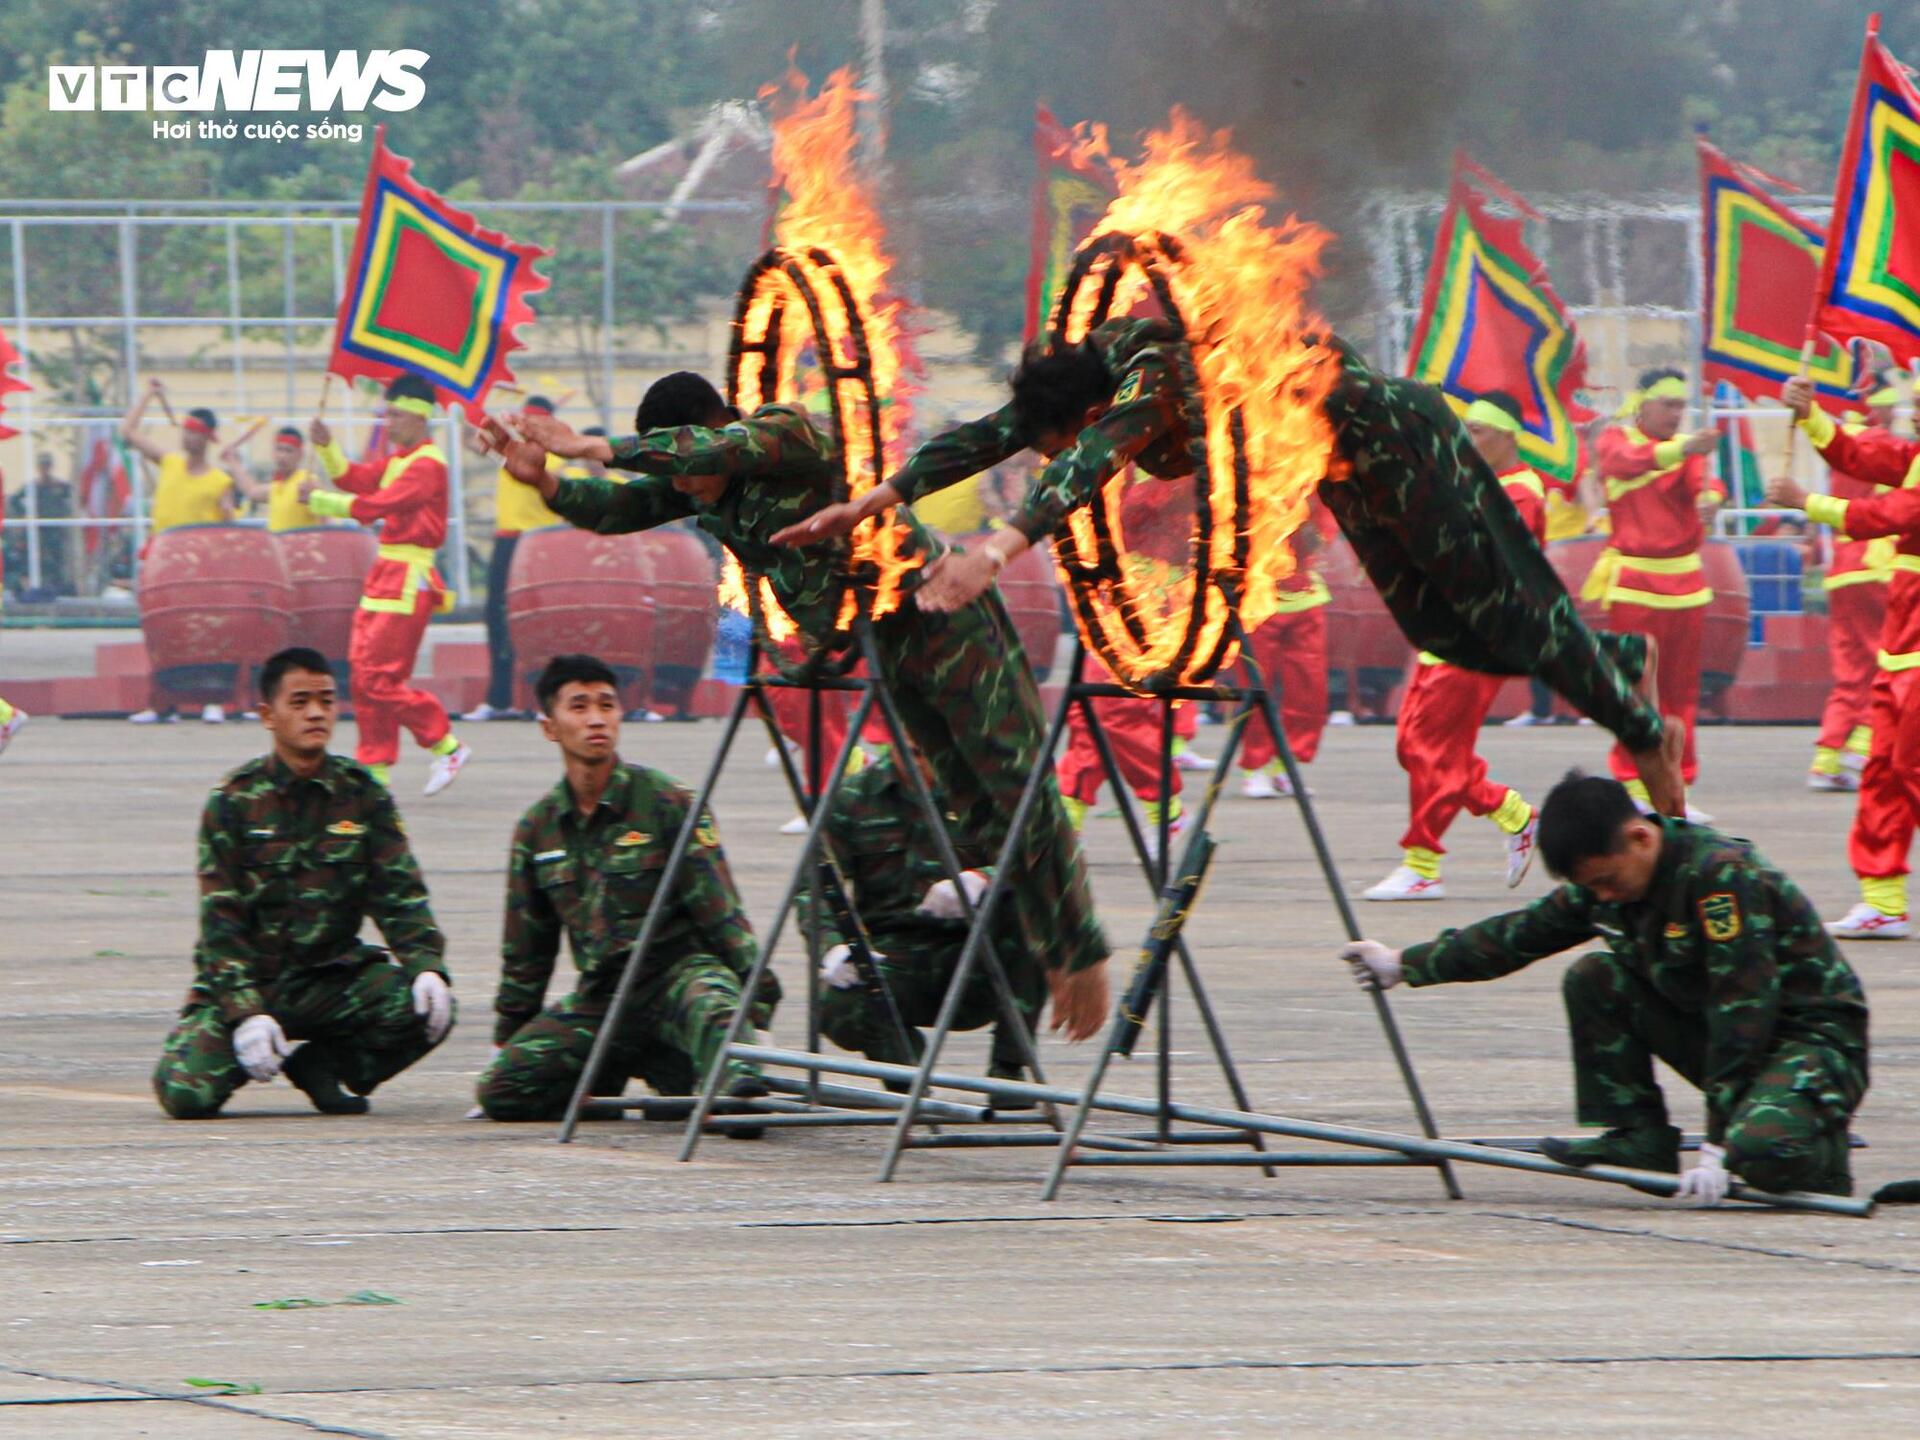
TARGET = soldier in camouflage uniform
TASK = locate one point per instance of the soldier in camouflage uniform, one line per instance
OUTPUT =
(960, 679)
(911, 916)
(586, 862)
(296, 849)
(1438, 537)
(1716, 963)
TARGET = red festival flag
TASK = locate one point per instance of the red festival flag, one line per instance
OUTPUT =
(431, 292)
(1072, 188)
(1870, 281)
(8, 382)
(1490, 320)
(1761, 263)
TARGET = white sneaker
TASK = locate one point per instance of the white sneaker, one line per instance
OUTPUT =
(1259, 786)
(153, 717)
(1152, 832)
(1191, 760)
(796, 826)
(446, 769)
(1340, 717)
(1586, 720)
(1520, 848)
(772, 762)
(1846, 781)
(213, 714)
(1853, 762)
(1406, 884)
(482, 713)
(1697, 816)
(13, 726)
(1863, 922)
(1522, 721)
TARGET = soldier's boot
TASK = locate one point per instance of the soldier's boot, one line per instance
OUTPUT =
(1007, 1062)
(309, 1071)
(744, 1082)
(1636, 1147)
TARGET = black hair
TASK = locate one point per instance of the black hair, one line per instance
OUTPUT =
(1581, 820)
(539, 402)
(1651, 378)
(682, 398)
(294, 657)
(409, 387)
(565, 670)
(290, 432)
(1054, 387)
(1505, 404)
(595, 430)
(206, 417)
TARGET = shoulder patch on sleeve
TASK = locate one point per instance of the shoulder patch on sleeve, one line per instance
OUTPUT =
(1130, 387)
(1720, 915)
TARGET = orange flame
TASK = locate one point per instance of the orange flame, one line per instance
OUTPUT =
(1241, 285)
(831, 230)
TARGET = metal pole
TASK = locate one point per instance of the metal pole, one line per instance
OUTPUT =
(130, 364)
(606, 316)
(233, 315)
(25, 348)
(287, 299)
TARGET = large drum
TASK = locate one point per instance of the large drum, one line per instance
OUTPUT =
(327, 566)
(215, 602)
(1031, 590)
(572, 592)
(1367, 654)
(684, 579)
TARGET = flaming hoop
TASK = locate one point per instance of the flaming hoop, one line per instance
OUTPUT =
(1188, 235)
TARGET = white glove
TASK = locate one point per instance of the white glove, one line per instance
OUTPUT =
(1374, 965)
(838, 970)
(260, 1045)
(433, 1003)
(942, 901)
(1707, 1182)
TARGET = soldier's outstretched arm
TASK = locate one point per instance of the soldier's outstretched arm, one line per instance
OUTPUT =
(529, 939)
(1736, 915)
(612, 508)
(397, 894)
(226, 955)
(1502, 944)
(961, 452)
(1145, 408)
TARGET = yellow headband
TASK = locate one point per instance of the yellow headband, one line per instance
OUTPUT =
(422, 408)
(1672, 387)
(1485, 412)
(1887, 396)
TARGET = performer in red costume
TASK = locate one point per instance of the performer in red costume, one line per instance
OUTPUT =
(1651, 577)
(406, 494)
(1290, 647)
(1445, 706)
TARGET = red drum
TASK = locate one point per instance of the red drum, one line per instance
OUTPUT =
(685, 577)
(1031, 588)
(327, 565)
(1365, 646)
(215, 602)
(572, 592)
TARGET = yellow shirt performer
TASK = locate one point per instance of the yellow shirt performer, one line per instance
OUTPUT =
(188, 489)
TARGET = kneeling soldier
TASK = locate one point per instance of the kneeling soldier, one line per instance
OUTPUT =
(587, 860)
(913, 917)
(1717, 964)
(296, 849)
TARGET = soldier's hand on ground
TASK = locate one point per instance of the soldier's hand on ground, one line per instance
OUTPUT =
(1701, 442)
(553, 434)
(318, 432)
(1797, 394)
(955, 581)
(1707, 1182)
(1785, 491)
(942, 901)
(433, 1003)
(1080, 1000)
(260, 1045)
(1374, 965)
(824, 524)
(837, 968)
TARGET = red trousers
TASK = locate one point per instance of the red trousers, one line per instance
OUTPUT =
(1854, 613)
(1133, 730)
(1291, 651)
(1678, 634)
(1439, 722)
(381, 651)
(1883, 822)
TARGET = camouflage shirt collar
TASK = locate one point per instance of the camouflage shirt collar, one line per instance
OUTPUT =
(283, 779)
(617, 798)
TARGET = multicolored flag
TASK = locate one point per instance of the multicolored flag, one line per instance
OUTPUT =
(431, 292)
(1737, 461)
(1071, 191)
(1761, 264)
(1490, 320)
(9, 382)
(1870, 281)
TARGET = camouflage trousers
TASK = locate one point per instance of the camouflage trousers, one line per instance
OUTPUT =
(359, 1013)
(1456, 564)
(918, 973)
(1788, 1131)
(672, 1029)
(969, 701)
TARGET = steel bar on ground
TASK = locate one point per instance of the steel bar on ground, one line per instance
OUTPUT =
(1254, 1157)
(1416, 1146)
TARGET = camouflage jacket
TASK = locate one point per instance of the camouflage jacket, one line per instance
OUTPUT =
(288, 870)
(593, 878)
(1142, 426)
(1721, 935)
(796, 466)
(887, 852)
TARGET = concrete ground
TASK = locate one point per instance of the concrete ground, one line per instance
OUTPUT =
(603, 1289)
